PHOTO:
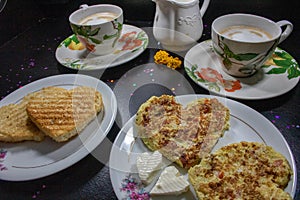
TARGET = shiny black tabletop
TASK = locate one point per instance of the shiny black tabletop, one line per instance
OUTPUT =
(30, 32)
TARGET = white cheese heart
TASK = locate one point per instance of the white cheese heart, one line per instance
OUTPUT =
(147, 164)
(170, 182)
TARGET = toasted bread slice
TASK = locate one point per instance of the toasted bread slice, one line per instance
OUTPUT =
(15, 126)
(62, 114)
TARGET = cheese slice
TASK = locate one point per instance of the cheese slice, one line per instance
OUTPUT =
(148, 165)
(170, 182)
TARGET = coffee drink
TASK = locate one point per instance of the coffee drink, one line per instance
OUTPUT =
(98, 27)
(243, 42)
(246, 33)
(98, 18)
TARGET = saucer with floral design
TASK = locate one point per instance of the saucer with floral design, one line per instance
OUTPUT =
(279, 74)
(73, 54)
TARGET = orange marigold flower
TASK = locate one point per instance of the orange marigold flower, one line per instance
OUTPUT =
(163, 57)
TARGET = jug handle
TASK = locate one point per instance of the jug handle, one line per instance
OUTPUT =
(204, 7)
(172, 25)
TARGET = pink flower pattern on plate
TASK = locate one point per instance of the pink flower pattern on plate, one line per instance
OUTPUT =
(3, 154)
(213, 79)
(134, 189)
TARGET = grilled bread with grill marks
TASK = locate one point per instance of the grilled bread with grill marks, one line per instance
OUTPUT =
(182, 134)
(245, 170)
(63, 113)
(15, 125)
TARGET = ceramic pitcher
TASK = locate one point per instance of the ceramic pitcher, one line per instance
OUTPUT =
(178, 23)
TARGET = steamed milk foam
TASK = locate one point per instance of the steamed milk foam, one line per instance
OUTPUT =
(184, 1)
(98, 18)
(246, 33)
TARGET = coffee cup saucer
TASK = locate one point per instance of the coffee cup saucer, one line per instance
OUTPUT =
(279, 74)
(72, 54)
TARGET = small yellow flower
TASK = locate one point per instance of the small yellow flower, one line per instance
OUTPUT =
(163, 57)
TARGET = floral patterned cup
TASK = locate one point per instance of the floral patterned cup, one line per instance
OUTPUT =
(98, 27)
(243, 42)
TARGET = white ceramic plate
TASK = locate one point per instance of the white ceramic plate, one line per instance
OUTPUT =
(132, 43)
(204, 68)
(31, 160)
(246, 125)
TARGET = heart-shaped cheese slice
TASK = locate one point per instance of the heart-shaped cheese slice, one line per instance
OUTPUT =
(170, 182)
(148, 164)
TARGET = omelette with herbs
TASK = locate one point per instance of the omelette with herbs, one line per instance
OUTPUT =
(182, 134)
(245, 170)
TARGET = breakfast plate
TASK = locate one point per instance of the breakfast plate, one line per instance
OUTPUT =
(72, 54)
(279, 74)
(246, 125)
(31, 160)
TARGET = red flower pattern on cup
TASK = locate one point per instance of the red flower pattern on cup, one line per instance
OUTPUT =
(213, 76)
(130, 41)
(85, 42)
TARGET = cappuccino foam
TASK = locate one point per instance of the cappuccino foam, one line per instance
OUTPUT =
(98, 18)
(246, 33)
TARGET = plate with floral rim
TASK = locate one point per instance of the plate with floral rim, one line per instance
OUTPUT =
(246, 124)
(279, 74)
(72, 54)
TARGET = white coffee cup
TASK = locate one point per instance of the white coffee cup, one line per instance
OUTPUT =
(243, 42)
(98, 27)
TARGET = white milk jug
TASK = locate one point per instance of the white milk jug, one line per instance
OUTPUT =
(178, 23)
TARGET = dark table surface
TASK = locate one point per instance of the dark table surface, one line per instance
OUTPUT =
(30, 32)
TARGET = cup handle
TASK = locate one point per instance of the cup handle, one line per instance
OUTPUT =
(84, 6)
(288, 30)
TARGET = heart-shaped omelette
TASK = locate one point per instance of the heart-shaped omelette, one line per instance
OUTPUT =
(182, 134)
